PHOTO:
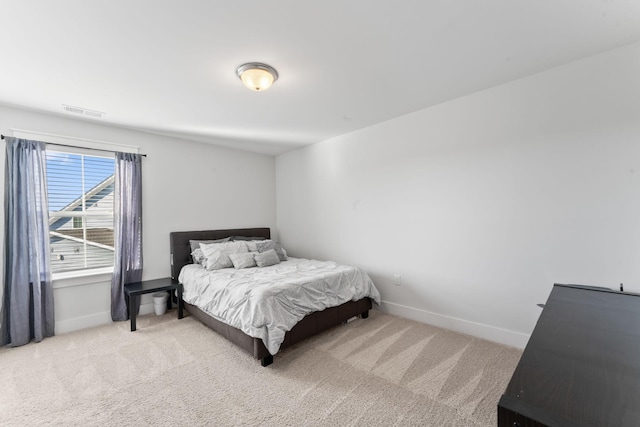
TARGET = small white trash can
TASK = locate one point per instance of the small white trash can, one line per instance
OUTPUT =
(160, 302)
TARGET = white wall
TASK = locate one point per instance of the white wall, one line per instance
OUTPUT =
(186, 186)
(482, 203)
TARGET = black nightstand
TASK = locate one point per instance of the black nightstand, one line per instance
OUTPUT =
(134, 290)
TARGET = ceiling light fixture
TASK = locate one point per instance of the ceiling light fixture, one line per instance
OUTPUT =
(257, 76)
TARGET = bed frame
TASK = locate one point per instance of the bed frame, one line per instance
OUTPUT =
(312, 324)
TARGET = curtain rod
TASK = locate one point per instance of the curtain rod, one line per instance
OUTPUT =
(75, 146)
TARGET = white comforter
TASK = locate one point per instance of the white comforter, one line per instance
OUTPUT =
(267, 302)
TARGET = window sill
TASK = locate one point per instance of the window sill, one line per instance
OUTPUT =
(83, 277)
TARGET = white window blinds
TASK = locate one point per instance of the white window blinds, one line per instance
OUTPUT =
(80, 191)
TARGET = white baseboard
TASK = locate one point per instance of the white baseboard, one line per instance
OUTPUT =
(77, 323)
(491, 333)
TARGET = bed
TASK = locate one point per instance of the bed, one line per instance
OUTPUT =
(309, 325)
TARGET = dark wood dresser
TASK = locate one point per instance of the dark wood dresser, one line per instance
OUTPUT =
(581, 366)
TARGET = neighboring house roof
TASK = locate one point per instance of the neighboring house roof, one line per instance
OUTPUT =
(101, 237)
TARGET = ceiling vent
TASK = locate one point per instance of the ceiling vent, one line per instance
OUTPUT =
(83, 111)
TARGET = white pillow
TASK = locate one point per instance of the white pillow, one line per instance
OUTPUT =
(195, 244)
(267, 258)
(243, 260)
(218, 254)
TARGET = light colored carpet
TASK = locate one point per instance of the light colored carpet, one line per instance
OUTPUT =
(384, 370)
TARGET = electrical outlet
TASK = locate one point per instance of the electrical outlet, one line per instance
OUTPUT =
(397, 280)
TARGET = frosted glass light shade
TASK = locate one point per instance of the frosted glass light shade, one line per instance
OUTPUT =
(257, 76)
(257, 79)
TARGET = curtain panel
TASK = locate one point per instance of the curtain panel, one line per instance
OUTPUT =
(127, 231)
(26, 312)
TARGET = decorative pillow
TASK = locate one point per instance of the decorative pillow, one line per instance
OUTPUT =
(195, 244)
(243, 260)
(265, 245)
(282, 254)
(198, 257)
(218, 254)
(267, 258)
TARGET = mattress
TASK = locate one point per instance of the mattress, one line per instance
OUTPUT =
(267, 302)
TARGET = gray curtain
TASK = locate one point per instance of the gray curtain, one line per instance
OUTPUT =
(127, 231)
(27, 299)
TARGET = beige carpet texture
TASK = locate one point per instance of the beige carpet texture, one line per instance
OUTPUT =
(381, 371)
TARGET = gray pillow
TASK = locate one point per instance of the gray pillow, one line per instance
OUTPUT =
(265, 245)
(243, 260)
(267, 258)
(245, 238)
(195, 244)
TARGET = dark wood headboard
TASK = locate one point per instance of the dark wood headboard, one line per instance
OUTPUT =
(181, 250)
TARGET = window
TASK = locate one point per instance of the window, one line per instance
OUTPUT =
(80, 189)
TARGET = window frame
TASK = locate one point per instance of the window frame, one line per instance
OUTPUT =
(76, 145)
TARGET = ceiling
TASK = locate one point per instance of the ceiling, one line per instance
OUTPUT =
(168, 67)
